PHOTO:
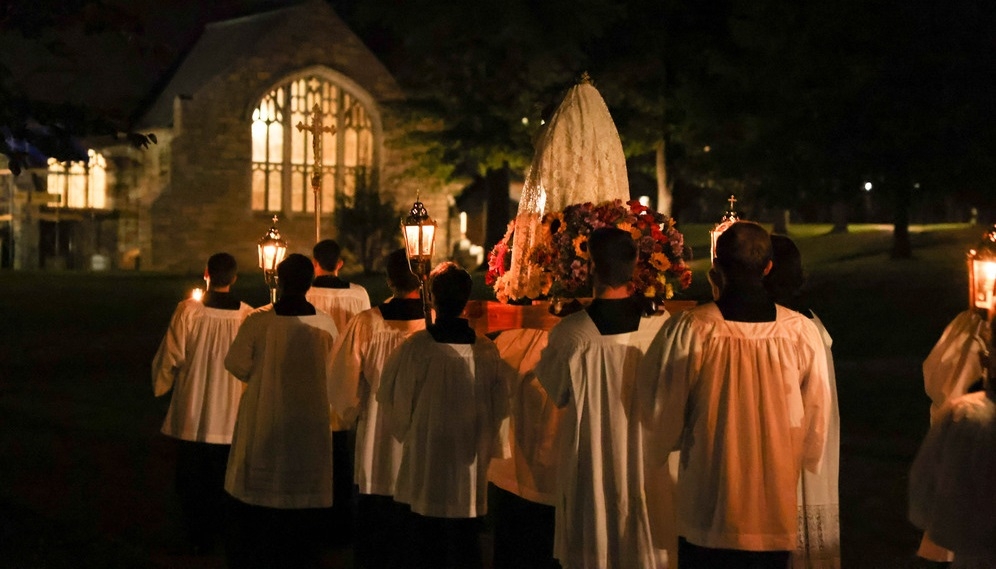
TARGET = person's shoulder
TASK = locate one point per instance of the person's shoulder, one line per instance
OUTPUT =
(261, 313)
(577, 323)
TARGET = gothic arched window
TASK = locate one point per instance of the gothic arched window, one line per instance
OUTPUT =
(283, 155)
(79, 184)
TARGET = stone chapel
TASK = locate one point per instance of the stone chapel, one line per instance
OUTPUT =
(229, 155)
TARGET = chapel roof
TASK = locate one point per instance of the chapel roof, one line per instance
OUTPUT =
(220, 46)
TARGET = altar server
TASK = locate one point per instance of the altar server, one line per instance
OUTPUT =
(446, 393)
(330, 293)
(818, 546)
(342, 300)
(589, 367)
(951, 370)
(741, 387)
(360, 354)
(952, 494)
(201, 415)
(280, 468)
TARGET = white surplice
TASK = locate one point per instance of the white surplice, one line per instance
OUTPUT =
(819, 503)
(446, 403)
(342, 304)
(953, 363)
(191, 361)
(952, 489)
(359, 359)
(282, 448)
(534, 423)
(950, 368)
(339, 303)
(746, 404)
(601, 518)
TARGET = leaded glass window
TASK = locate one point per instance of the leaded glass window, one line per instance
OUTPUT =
(283, 154)
(80, 185)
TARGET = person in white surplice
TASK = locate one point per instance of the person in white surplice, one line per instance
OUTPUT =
(951, 370)
(360, 353)
(191, 362)
(952, 493)
(445, 393)
(819, 505)
(589, 367)
(741, 387)
(280, 468)
(342, 300)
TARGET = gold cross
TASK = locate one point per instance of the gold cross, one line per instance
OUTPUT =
(732, 200)
(317, 128)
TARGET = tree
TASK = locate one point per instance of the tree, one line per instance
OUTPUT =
(367, 223)
(484, 73)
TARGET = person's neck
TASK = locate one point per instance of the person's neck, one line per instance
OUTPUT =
(320, 272)
(409, 295)
(220, 288)
(613, 292)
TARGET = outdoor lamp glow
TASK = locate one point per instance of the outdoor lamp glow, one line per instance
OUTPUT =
(272, 249)
(982, 273)
(420, 237)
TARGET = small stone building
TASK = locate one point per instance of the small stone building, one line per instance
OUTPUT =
(232, 151)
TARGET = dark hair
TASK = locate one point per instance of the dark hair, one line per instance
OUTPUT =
(327, 254)
(785, 278)
(613, 256)
(295, 273)
(450, 286)
(399, 273)
(742, 252)
(221, 269)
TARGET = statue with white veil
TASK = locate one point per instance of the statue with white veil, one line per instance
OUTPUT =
(579, 158)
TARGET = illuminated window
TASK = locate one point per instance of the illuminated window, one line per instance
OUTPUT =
(283, 154)
(79, 185)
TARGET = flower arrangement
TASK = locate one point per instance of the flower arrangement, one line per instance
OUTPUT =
(561, 252)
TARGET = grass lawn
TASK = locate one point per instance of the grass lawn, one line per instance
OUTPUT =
(86, 480)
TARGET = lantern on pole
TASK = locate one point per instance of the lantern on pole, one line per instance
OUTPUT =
(420, 237)
(982, 274)
(729, 218)
(272, 249)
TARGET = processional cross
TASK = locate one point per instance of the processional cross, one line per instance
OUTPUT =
(317, 128)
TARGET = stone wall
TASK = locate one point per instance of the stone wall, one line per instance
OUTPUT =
(205, 205)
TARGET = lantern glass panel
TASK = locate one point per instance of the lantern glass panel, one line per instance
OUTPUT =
(411, 240)
(985, 279)
(428, 240)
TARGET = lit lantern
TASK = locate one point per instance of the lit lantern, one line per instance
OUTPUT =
(982, 273)
(729, 218)
(420, 237)
(272, 249)
(197, 294)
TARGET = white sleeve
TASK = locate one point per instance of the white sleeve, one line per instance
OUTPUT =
(664, 380)
(557, 361)
(397, 390)
(170, 355)
(347, 369)
(815, 391)
(239, 359)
